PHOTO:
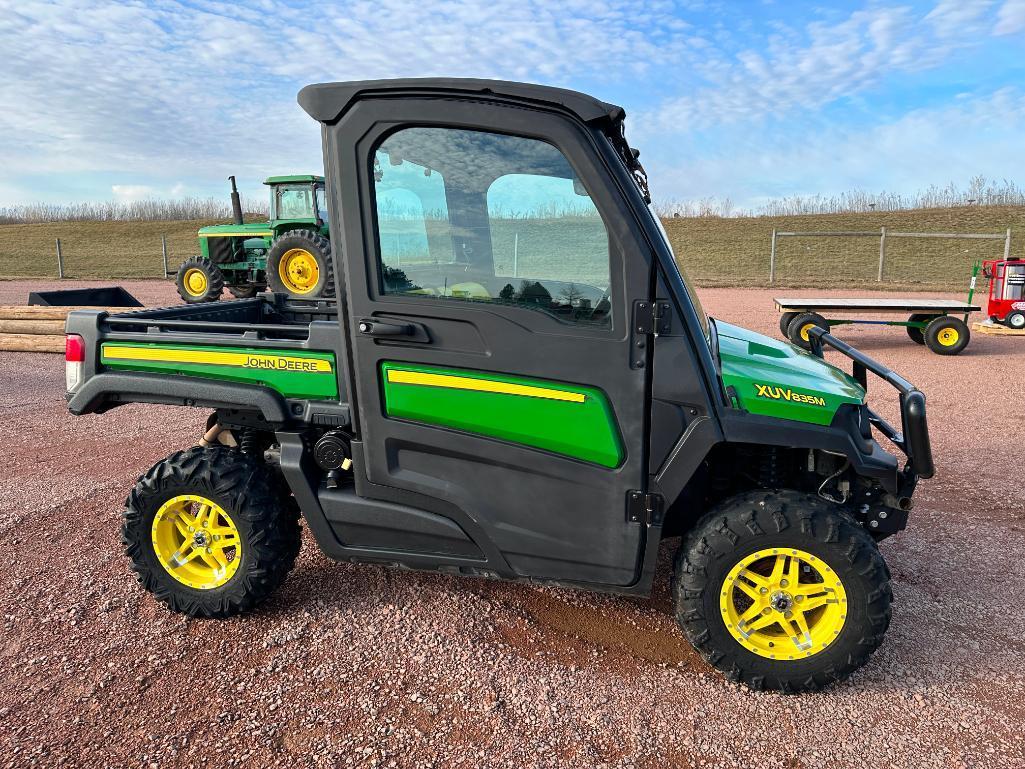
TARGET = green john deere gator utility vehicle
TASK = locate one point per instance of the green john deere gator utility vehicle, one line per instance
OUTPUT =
(518, 383)
(291, 253)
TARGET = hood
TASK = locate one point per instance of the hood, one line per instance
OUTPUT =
(778, 379)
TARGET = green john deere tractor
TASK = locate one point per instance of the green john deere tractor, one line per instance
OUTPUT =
(289, 254)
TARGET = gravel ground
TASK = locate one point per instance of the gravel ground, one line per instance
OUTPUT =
(363, 666)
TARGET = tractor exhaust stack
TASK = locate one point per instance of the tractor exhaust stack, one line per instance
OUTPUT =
(236, 201)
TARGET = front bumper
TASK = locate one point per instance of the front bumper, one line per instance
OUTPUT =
(913, 437)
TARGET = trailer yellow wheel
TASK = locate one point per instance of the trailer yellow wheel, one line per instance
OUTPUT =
(783, 603)
(946, 335)
(196, 541)
(801, 325)
(299, 271)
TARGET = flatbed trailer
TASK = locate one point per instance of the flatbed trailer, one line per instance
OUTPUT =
(940, 324)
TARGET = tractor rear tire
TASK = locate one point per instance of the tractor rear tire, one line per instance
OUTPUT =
(797, 331)
(211, 532)
(299, 264)
(746, 569)
(243, 292)
(784, 322)
(1015, 320)
(946, 335)
(199, 280)
(917, 335)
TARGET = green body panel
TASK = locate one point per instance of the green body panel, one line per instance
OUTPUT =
(280, 370)
(778, 379)
(584, 430)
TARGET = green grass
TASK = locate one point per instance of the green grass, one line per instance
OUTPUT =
(714, 251)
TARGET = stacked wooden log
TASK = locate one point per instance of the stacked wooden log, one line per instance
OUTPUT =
(37, 329)
(989, 327)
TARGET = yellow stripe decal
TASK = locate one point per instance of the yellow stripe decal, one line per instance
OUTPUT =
(234, 234)
(237, 359)
(481, 385)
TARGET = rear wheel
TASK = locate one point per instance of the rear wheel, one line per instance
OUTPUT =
(916, 333)
(299, 264)
(210, 532)
(784, 322)
(946, 335)
(1015, 319)
(243, 292)
(797, 331)
(781, 590)
(199, 280)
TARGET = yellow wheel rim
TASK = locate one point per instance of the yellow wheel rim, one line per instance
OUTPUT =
(782, 603)
(299, 271)
(805, 329)
(196, 541)
(195, 281)
(948, 337)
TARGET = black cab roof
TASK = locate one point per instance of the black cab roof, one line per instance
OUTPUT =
(326, 102)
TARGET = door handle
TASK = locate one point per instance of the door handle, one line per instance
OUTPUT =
(380, 328)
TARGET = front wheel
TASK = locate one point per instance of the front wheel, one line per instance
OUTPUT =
(800, 325)
(946, 335)
(917, 333)
(209, 532)
(199, 280)
(782, 590)
(1015, 320)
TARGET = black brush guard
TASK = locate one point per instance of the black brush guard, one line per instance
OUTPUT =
(913, 438)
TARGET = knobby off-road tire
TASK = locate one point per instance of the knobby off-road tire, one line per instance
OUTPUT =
(243, 292)
(251, 501)
(299, 264)
(199, 280)
(797, 331)
(784, 522)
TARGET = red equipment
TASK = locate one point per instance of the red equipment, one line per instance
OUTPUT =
(1006, 291)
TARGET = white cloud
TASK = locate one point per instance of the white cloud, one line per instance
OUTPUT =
(802, 70)
(976, 135)
(129, 193)
(1010, 18)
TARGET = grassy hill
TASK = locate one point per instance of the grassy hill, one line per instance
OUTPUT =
(714, 251)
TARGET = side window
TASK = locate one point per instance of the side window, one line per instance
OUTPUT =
(483, 217)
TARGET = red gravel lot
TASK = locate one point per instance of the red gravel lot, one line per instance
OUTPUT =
(363, 666)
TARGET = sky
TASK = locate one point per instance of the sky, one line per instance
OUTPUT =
(749, 100)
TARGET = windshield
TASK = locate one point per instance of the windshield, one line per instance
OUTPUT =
(691, 291)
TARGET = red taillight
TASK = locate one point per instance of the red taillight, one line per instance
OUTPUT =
(74, 349)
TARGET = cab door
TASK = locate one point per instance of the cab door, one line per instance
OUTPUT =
(489, 288)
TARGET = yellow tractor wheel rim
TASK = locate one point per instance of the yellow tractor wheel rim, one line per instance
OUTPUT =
(782, 603)
(948, 337)
(805, 329)
(299, 271)
(196, 541)
(195, 282)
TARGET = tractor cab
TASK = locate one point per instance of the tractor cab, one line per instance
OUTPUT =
(1006, 291)
(297, 200)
